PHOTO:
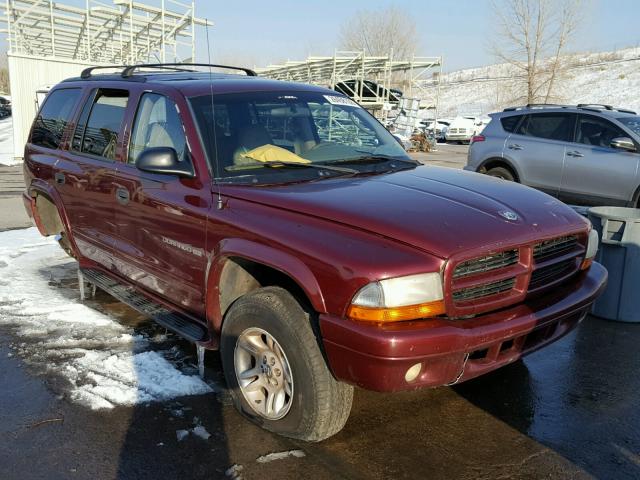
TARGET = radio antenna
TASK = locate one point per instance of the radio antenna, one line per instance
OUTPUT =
(212, 129)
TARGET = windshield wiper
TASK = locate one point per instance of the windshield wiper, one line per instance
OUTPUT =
(369, 159)
(280, 164)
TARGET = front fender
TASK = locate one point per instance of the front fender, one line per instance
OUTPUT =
(263, 254)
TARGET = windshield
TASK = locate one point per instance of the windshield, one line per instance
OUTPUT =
(632, 123)
(250, 131)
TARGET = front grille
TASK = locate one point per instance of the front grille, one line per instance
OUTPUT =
(498, 280)
(485, 264)
(548, 274)
(484, 290)
(554, 247)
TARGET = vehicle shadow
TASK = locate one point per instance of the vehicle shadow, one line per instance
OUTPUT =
(578, 397)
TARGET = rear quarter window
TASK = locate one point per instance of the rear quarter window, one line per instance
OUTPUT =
(509, 124)
(551, 126)
(53, 117)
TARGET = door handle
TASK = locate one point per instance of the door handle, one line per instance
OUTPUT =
(575, 154)
(59, 178)
(122, 195)
(515, 146)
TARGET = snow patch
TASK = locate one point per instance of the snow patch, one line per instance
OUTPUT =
(102, 363)
(280, 456)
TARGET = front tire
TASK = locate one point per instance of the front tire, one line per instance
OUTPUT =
(501, 172)
(275, 368)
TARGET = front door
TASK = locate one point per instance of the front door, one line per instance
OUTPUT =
(538, 148)
(594, 173)
(161, 219)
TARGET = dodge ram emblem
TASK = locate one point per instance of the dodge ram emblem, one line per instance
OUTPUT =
(509, 215)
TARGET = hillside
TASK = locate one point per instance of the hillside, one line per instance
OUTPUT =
(611, 78)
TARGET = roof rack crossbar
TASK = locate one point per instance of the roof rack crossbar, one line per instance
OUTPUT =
(599, 105)
(129, 70)
(86, 73)
(535, 105)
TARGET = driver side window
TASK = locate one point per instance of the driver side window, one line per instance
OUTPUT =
(157, 124)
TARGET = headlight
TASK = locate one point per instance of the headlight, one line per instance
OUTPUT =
(592, 249)
(397, 299)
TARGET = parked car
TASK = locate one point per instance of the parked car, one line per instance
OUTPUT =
(315, 255)
(441, 127)
(5, 107)
(583, 155)
(367, 90)
(462, 129)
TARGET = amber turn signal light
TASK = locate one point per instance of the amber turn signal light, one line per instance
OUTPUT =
(396, 314)
(586, 263)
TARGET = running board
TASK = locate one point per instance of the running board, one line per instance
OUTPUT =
(177, 323)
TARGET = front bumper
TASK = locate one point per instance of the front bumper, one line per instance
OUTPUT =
(451, 351)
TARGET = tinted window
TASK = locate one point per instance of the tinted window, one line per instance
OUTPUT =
(509, 124)
(553, 126)
(157, 124)
(101, 135)
(52, 119)
(597, 131)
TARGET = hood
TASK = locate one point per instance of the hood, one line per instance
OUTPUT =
(440, 210)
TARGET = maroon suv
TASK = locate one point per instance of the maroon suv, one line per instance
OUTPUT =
(283, 225)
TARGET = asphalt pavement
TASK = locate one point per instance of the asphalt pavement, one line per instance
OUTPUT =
(567, 411)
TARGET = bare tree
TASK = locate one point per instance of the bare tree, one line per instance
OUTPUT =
(380, 32)
(533, 36)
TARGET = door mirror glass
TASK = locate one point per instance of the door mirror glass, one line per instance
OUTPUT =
(164, 160)
(623, 143)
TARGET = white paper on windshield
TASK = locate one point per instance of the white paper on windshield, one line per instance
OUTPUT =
(338, 100)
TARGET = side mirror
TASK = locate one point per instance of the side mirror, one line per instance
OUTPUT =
(164, 160)
(623, 143)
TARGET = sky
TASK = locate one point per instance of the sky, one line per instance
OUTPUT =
(259, 32)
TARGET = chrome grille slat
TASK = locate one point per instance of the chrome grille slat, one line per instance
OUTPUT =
(487, 263)
(484, 290)
(555, 246)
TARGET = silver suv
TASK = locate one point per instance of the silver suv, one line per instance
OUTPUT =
(584, 154)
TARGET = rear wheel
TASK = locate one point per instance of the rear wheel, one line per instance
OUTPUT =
(275, 369)
(501, 172)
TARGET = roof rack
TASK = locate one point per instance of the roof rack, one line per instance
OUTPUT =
(535, 105)
(596, 105)
(128, 70)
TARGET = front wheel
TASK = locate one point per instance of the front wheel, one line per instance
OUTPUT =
(275, 369)
(501, 172)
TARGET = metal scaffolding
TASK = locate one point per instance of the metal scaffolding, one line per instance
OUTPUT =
(123, 32)
(352, 69)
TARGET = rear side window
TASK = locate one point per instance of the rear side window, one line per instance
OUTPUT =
(509, 124)
(54, 116)
(552, 126)
(100, 136)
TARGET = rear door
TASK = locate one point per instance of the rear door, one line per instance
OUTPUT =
(162, 218)
(537, 148)
(89, 172)
(594, 173)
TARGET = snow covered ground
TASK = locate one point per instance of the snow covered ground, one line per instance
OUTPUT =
(611, 78)
(6, 142)
(97, 361)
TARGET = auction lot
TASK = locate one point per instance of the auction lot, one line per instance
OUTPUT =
(569, 411)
